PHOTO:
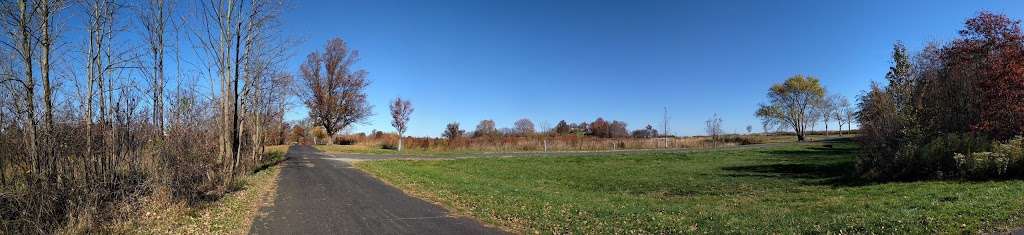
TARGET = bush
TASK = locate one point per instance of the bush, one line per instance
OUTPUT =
(345, 140)
(907, 160)
(742, 139)
(1006, 160)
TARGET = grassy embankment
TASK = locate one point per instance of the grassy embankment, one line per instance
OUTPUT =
(794, 188)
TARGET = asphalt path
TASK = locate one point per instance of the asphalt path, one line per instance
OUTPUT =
(320, 194)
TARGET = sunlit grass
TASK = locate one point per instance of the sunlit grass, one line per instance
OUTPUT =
(365, 149)
(798, 188)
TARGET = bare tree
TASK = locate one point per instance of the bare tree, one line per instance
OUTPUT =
(101, 60)
(524, 127)
(844, 113)
(48, 10)
(713, 127)
(231, 33)
(544, 127)
(400, 112)
(335, 96)
(453, 132)
(827, 108)
(154, 15)
(485, 128)
(18, 24)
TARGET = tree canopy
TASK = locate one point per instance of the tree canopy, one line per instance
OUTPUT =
(792, 104)
(336, 95)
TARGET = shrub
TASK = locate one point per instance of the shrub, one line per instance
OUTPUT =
(345, 140)
(1004, 161)
(742, 139)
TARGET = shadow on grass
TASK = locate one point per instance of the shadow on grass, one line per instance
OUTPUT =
(841, 174)
(812, 151)
(828, 162)
(272, 162)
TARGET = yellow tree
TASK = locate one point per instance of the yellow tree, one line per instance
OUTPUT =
(792, 104)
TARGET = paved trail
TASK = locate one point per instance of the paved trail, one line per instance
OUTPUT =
(317, 195)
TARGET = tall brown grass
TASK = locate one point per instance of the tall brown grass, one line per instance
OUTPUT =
(541, 143)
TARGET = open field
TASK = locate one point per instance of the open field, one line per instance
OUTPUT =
(362, 149)
(794, 188)
(376, 146)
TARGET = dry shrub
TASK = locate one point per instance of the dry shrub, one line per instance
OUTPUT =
(68, 190)
(187, 169)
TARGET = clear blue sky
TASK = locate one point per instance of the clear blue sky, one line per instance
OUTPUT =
(577, 60)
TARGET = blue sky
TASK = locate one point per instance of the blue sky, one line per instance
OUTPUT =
(466, 61)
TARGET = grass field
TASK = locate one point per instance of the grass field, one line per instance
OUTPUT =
(362, 149)
(369, 148)
(797, 188)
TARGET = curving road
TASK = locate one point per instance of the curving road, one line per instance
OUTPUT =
(319, 195)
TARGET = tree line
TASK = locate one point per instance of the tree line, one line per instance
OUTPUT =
(953, 110)
(524, 127)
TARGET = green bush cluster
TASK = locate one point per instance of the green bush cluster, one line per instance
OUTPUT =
(1005, 160)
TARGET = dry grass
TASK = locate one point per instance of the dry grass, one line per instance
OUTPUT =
(230, 214)
(277, 148)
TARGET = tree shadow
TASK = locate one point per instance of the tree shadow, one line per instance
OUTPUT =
(838, 174)
(819, 151)
(828, 162)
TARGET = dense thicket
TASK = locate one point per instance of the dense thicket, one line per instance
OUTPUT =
(106, 134)
(954, 111)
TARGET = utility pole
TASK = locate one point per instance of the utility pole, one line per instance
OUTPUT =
(664, 122)
(664, 129)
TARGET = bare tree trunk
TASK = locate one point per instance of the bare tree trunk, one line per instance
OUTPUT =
(235, 132)
(232, 22)
(28, 81)
(46, 44)
(154, 20)
(826, 127)
(91, 68)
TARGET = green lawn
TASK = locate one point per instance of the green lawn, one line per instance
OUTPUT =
(798, 188)
(377, 150)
